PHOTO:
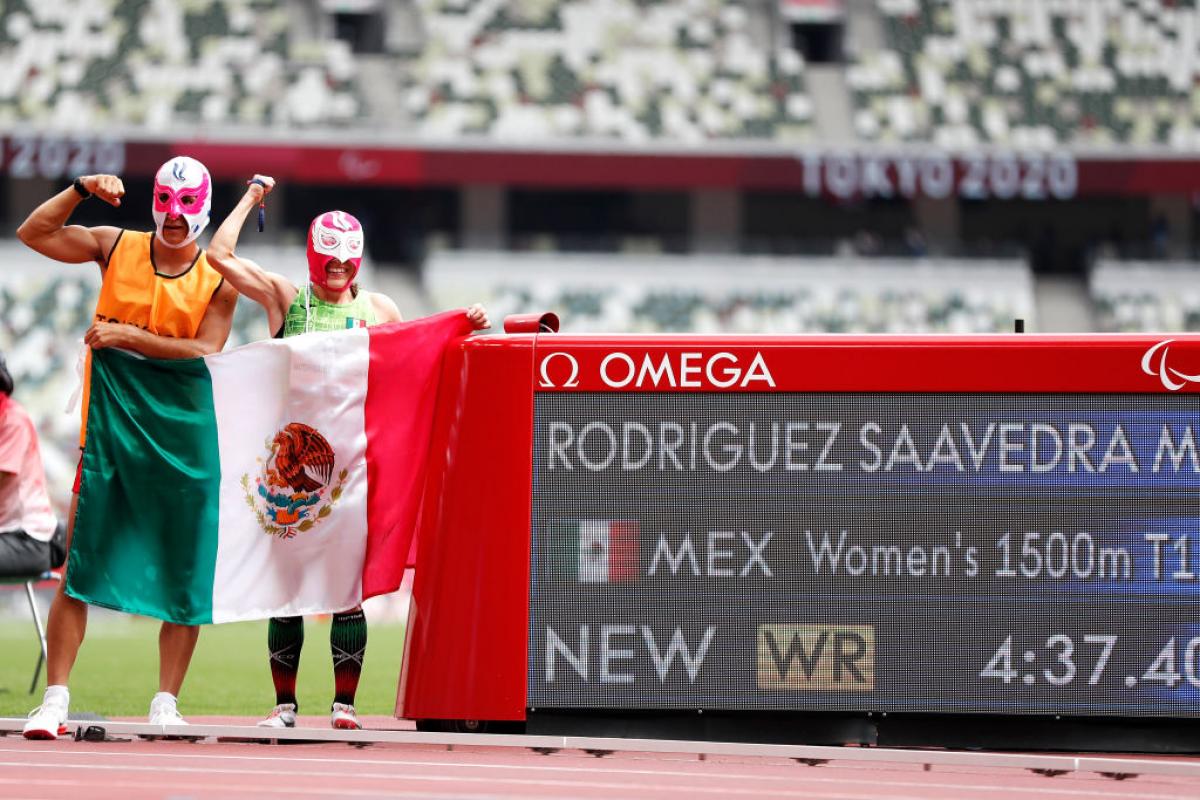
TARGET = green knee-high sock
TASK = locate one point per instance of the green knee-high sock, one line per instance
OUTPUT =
(285, 638)
(348, 642)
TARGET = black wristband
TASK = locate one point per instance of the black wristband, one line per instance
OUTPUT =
(259, 182)
(79, 187)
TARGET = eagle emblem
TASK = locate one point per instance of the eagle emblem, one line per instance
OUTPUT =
(295, 487)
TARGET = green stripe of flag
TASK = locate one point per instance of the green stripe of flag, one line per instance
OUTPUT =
(564, 549)
(145, 537)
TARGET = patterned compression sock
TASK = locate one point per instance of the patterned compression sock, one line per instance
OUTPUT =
(348, 641)
(285, 638)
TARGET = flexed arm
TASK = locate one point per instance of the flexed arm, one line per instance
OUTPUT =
(46, 231)
(271, 291)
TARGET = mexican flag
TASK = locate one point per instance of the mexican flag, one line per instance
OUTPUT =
(276, 479)
(595, 550)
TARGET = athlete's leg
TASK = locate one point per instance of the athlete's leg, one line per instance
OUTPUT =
(176, 643)
(285, 639)
(348, 643)
(67, 623)
(64, 635)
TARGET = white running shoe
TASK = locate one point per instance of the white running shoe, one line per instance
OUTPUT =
(344, 718)
(282, 716)
(164, 711)
(49, 720)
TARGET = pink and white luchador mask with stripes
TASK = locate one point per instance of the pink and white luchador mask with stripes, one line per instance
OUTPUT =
(334, 235)
(182, 188)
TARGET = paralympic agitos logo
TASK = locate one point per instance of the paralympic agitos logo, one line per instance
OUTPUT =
(671, 369)
(1154, 362)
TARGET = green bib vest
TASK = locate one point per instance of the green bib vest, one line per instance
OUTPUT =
(309, 313)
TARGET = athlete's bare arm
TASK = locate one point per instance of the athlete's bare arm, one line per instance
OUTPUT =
(210, 336)
(271, 291)
(385, 308)
(46, 231)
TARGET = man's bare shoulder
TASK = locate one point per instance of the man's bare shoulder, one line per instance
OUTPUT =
(225, 293)
(106, 240)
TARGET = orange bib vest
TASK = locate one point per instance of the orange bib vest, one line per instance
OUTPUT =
(135, 293)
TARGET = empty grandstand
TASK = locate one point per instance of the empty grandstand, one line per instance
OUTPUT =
(1038, 74)
(686, 72)
(953, 73)
(83, 66)
(655, 293)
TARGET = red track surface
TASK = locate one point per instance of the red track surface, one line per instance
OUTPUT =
(139, 769)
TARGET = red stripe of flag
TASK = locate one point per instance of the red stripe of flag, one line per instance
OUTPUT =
(624, 550)
(402, 382)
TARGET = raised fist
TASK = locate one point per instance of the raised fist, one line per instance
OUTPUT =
(107, 187)
(260, 186)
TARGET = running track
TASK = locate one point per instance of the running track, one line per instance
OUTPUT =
(185, 770)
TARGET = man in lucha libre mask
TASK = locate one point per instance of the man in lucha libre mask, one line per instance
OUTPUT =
(158, 297)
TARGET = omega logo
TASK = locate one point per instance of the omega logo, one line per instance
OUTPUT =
(572, 379)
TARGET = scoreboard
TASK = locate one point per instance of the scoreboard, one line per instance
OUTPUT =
(897, 552)
(1002, 524)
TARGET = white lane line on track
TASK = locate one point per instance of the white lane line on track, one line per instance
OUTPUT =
(232, 790)
(703, 768)
(90, 788)
(538, 763)
(876, 784)
(353, 776)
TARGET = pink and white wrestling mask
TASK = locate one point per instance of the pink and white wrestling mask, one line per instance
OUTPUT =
(334, 235)
(182, 188)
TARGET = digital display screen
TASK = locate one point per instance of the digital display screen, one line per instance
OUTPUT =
(1025, 553)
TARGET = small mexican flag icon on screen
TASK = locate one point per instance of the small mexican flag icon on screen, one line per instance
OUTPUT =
(596, 550)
